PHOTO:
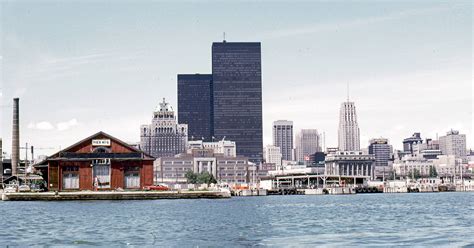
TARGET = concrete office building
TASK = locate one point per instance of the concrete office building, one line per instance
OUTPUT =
(273, 155)
(381, 150)
(283, 137)
(307, 142)
(454, 143)
(349, 136)
(164, 137)
(195, 105)
(224, 147)
(224, 169)
(409, 142)
(237, 96)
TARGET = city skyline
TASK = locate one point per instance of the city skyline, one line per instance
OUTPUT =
(411, 87)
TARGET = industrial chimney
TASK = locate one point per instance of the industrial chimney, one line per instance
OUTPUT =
(16, 136)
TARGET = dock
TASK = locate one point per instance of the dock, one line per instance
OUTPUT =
(113, 195)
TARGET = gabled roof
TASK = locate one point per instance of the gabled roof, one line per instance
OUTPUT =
(103, 134)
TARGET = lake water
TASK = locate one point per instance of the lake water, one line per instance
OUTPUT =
(423, 219)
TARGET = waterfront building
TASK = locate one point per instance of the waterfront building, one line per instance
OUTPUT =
(237, 96)
(224, 147)
(283, 137)
(410, 166)
(409, 142)
(224, 169)
(99, 162)
(164, 137)
(273, 155)
(195, 105)
(307, 142)
(350, 163)
(349, 136)
(454, 143)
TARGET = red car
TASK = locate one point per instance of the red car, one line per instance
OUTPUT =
(157, 187)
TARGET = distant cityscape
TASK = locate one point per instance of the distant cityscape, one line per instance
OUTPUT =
(217, 129)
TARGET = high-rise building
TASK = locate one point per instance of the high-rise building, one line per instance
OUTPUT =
(454, 144)
(283, 138)
(349, 136)
(195, 105)
(273, 155)
(307, 142)
(164, 137)
(410, 142)
(381, 150)
(237, 95)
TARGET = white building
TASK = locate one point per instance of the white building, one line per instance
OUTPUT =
(307, 142)
(225, 147)
(283, 138)
(454, 144)
(349, 136)
(408, 165)
(164, 137)
(350, 163)
(273, 155)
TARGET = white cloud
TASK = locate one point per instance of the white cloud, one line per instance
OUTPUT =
(66, 125)
(43, 125)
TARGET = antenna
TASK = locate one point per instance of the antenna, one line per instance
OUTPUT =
(224, 37)
(348, 91)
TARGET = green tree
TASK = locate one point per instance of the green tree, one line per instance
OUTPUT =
(191, 176)
(416, 174)
(433, 172)
(206, 177)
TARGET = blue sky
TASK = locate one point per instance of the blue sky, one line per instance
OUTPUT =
(86, 66)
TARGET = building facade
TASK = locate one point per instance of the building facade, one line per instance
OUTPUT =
(224, 147)
(349, 136)
(224, 169)
(410, 142)
(350, 163)
(99, 162)
(381, 150)
(282, 133)
(273, 155)
(195, 105)
(164, 137)
(237, 96)
(454, 143)
(307, 142)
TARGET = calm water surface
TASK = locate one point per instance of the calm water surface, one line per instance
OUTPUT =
(427, 219)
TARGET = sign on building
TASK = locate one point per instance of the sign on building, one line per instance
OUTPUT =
(100, 142)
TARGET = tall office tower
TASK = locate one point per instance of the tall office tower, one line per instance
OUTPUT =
(273, 155)
(349, 137)
(382, 151)
(16, 136)
(454, 144)
(195, 105)
(237, 89)
(283, 138)
(164, 137)
(307, 142)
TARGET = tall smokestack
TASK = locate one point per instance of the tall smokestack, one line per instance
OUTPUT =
(16, 135)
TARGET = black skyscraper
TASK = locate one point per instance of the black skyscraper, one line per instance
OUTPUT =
(195, 105)
(237, 87)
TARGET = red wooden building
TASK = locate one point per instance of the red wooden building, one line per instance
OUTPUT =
(99, 162)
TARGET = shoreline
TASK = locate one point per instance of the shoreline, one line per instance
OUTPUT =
(108, 195)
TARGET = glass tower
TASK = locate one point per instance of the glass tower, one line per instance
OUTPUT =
(237, 89)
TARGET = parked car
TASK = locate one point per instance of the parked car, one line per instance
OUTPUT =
(24, 188)
(157, 187)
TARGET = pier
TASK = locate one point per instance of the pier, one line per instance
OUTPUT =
(113, 195)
